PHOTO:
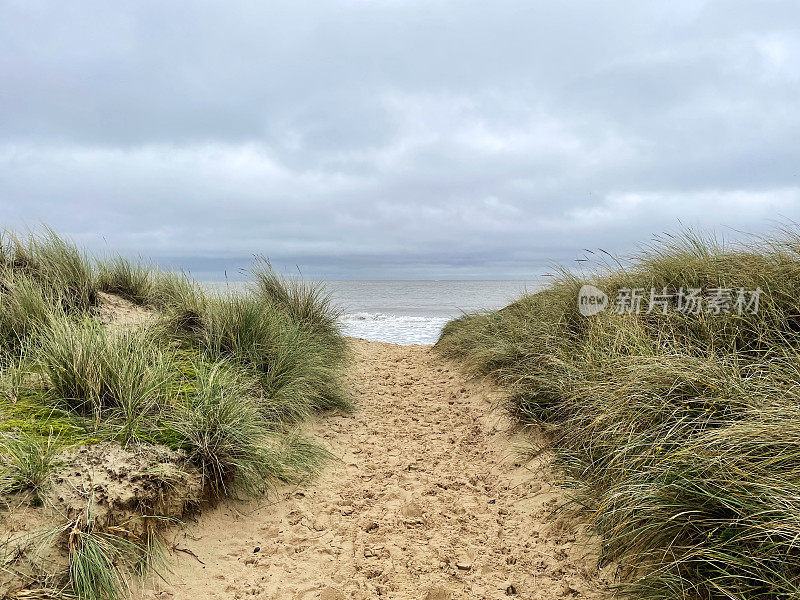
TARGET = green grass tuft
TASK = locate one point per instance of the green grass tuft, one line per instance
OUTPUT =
(219, 424)
(55, 263)
(308, 304)
(300, 371)
(121, 378)
(99, 562)
(27, 462)
(122, 277)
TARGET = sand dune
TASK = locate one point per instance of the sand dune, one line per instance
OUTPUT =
(429, 499)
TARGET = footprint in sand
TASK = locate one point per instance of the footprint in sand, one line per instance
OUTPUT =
(428, 502)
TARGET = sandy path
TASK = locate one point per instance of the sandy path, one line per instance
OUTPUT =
(429, 501)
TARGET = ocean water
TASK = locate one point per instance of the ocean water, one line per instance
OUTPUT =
(412, 312)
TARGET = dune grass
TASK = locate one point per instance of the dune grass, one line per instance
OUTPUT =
(123, 277)
(118, 378)
(63, 271)
(220, 423)
(26, 306)
(286, 332)
(679, 431)
(307, 304)
(176, 294)
(27, 462)
(223, 378)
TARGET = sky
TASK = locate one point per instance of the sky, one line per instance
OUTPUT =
(396, 139)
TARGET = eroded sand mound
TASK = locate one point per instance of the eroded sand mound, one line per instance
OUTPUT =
(117, 489)
(430, 500)
(121, 484)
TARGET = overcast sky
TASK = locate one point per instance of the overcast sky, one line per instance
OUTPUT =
(397, 138)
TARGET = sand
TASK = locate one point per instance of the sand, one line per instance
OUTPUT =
(429, 499)
(116, 311)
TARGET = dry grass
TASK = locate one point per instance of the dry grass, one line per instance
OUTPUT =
(679, 431)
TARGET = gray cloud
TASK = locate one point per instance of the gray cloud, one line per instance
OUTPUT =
(399, 138)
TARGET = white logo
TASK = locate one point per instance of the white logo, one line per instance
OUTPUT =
(591, 301)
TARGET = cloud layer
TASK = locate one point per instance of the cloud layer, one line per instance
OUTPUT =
(397, 138)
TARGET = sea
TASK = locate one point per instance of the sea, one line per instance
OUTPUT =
(413, 312)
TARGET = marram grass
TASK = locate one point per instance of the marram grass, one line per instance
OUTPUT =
(680, 432)
(224, 379)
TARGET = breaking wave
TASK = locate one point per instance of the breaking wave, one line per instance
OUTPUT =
(397, 329)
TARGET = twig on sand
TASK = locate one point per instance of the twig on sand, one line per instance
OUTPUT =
(176, 548)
